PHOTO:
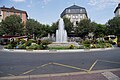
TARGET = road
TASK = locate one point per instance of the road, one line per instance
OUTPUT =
(17, 63)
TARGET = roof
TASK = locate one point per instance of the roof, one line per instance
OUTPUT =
(74, 9)
(118, 7)
(12, 9)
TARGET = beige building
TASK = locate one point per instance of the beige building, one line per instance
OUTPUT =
(75, 14)
(117, 11)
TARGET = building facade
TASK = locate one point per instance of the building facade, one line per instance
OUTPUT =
(75, 14)
(117, 11)
(4, 12)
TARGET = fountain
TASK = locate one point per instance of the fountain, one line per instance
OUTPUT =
(61, 34)
(61, 37)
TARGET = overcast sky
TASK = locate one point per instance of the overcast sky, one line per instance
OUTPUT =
(48, 11)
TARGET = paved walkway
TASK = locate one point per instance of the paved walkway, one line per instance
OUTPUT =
(112, 74)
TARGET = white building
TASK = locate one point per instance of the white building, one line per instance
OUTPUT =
(75, 14)
(117, 11)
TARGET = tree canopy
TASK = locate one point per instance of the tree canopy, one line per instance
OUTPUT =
(12, 25)
(113, 26)
(37, 29)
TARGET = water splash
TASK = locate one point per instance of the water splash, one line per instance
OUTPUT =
(61, 34)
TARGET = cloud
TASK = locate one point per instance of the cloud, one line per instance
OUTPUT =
(18, 0)
(102, 4)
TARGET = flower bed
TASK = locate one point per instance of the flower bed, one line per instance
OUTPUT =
(46, 44)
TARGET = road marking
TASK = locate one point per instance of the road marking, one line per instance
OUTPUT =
(92, 66)
(42, 65)
(64, 65)
(29, 71)
(110, 76)
(110, 61)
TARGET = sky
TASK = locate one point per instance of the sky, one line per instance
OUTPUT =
(48, 11)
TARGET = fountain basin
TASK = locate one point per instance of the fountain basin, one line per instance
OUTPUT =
(64, 45)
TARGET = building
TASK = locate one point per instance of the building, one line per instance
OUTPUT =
(117, 10)
(75, 14)
(4, 12)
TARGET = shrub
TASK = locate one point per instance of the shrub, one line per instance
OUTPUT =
(81, 47)
(108, 45)
(86, 42)
(98, 46)
(93, 45)
(39, 42)
(34, 46)
(71, 46)
(23, 46)
(29, 42)
(22, 41)
(86, 46)
(45, 42)
(44, 46)
(13, 43)
(9, 46)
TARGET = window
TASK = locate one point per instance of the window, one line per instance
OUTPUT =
(7, 13)
(76, 16)
(73, 16)
(81, 16)
(68, 10)
(81, 10)
(14, 13)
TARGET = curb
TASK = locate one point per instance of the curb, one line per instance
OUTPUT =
(58, 74)
(59, 51)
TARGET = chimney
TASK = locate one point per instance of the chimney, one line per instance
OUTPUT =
(12, 7)
(3, 6)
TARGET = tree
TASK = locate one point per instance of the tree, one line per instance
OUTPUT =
(1, 30)
(83, 28)
(99, 30)
(54, 27)
(33, 27)
(46, 30)
(36, 29)
(68, 25)
(113, 26)
(12, 25)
